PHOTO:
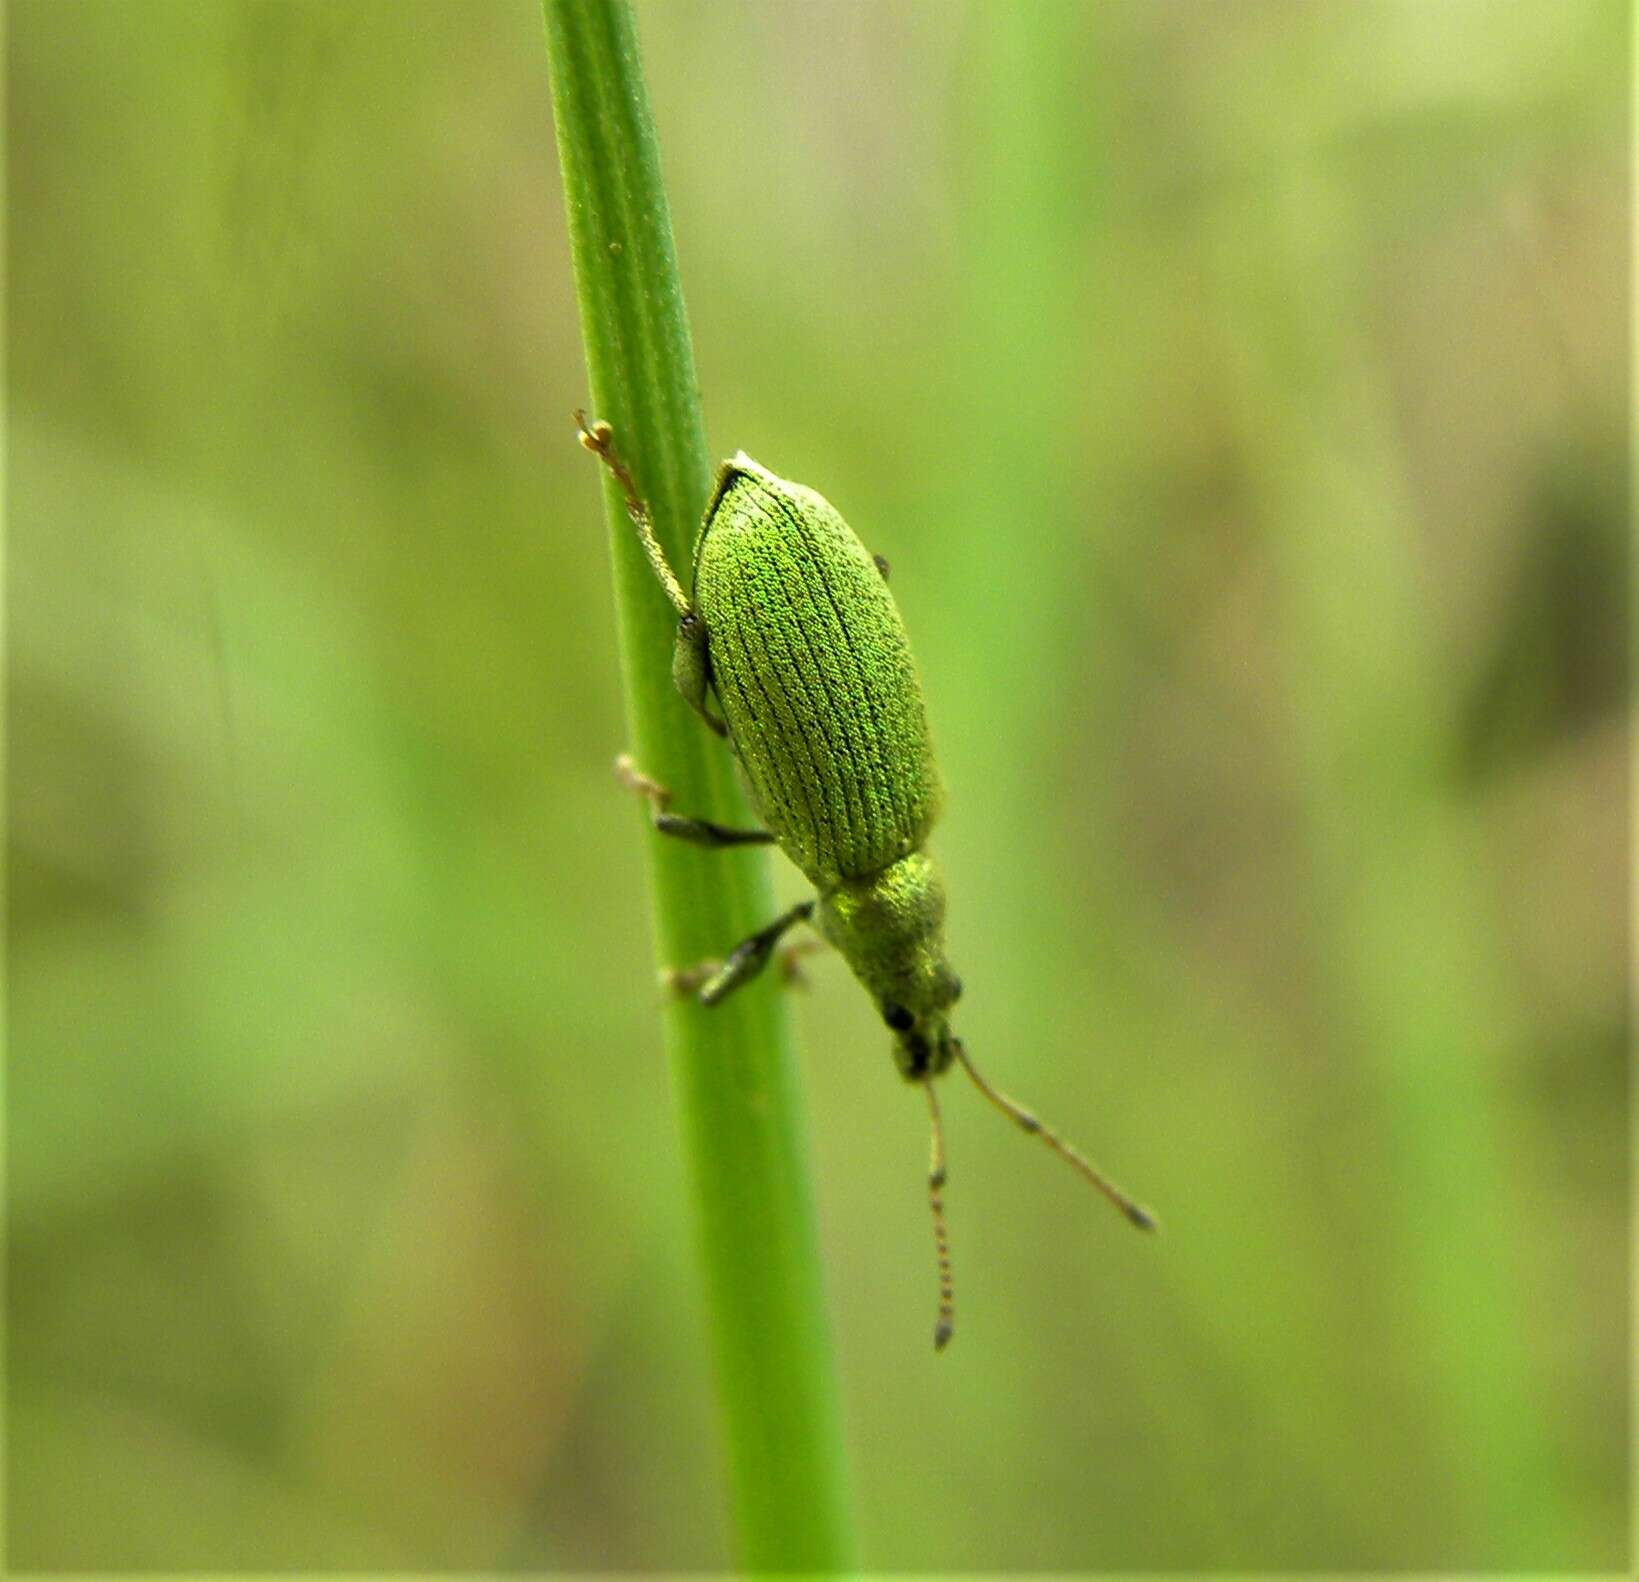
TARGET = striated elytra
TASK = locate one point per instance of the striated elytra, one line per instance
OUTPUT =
(814, 675)
(789, 645)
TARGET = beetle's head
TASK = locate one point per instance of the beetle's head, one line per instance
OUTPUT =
(916, 1014)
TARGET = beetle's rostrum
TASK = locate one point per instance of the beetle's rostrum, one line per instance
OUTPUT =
(789, 645)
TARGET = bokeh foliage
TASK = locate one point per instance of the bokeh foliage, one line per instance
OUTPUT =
(1238, 390)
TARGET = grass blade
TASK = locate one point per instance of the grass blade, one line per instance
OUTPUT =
(733, 1066)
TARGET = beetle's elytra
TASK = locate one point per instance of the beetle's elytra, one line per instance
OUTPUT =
(813, 672)
(790, 646)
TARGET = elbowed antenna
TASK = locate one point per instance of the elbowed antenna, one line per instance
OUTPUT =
(1139, 1215)
(946, 1327)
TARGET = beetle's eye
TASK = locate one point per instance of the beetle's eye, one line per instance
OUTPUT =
(897, 1017)
(955, 988)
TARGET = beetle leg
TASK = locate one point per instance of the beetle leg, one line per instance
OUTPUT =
(599, 438)
(751, 955)
(702, 832)
(686, 980)
(791, 960)
(881, 565)
(691, 668)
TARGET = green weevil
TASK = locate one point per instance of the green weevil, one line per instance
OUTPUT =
(789, 627)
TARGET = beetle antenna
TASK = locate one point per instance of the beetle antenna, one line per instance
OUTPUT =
(599, 438)
(1139, 1215)
(943, 1330)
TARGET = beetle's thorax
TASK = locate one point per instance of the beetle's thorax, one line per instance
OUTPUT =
(889, 926)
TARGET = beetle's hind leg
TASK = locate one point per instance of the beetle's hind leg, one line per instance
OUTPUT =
(691, 668)
(691, 663)
(599, 438)
(702, 832)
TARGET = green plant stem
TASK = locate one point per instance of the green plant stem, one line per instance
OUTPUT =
(733, 1067)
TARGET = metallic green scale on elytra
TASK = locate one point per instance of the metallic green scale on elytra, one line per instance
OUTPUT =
(814, 674)
(789, 630)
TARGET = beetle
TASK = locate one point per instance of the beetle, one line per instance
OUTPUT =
(789, 628)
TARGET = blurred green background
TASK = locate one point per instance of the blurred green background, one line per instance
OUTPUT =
(1238, 390)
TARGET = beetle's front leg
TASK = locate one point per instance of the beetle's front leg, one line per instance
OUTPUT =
(791, 973)
(702, 832)
(749, 957)
(713, 980)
